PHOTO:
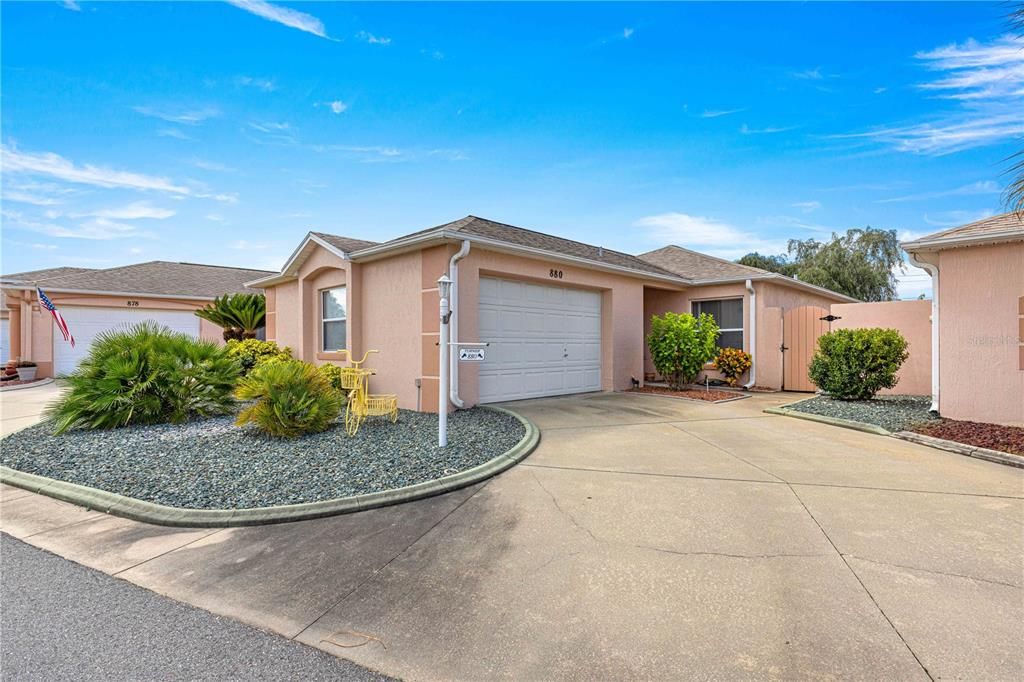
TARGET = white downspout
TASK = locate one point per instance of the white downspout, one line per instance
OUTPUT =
(753, 335)
(933, 270)
(453, 272)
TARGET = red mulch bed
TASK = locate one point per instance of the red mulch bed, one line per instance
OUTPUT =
(17, 382)
(692, 394)
(992, 436)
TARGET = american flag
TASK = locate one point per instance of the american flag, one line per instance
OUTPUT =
(61, 324)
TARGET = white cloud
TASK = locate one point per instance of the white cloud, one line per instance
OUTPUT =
(245, 245)
(814, 74)
(172, 132)
(368, 37)
(973, 189)
(56, 166)
(100, 229)
(28, 198)
(216, 218)
(135, 211)
(181, 116)
(879, 91)
(628, 32)
(747, 130)
(364, 153)
(282, 15)
(715, 113)
(72, 5)
(985, 80)
(337, 106)
(206, 164)
(706, 235)
(264, 84)
(807, 206)
(955, 218)
(448, 154)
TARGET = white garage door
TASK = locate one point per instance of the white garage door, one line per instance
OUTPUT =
(86, 323)
(545, 340)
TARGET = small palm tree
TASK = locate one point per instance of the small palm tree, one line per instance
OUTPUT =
(240, 315)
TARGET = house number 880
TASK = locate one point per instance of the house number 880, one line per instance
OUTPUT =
(555, 274)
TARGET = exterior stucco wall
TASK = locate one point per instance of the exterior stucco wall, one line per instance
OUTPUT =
(913, 320)
(979, 367)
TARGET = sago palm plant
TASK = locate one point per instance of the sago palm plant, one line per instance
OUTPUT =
(291, 398)
(239, 315)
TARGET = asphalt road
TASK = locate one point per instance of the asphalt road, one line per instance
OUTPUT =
(60, 620)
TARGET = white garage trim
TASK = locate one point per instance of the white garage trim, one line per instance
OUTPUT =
(5, 340)
(545, 340)
(86, 323)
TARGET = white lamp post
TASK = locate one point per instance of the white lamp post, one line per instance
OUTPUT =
(444, 289)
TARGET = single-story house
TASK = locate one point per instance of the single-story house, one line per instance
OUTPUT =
(560, 316)
(94, 300)
(977, 275)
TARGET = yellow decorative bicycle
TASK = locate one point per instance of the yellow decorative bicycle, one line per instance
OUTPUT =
(361, 403)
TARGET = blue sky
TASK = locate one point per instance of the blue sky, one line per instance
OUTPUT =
(222, 132)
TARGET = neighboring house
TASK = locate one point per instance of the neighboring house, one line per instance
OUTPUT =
(977, 275)
(95, 300)
(561, 316)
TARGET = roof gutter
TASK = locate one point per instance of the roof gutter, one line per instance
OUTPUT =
(971, 240)
(753, 335)
(933, 270)
(781, 278)
(139, 294)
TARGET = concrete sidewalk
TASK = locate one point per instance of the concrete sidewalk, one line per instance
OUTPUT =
(646, 537)
(23, 407)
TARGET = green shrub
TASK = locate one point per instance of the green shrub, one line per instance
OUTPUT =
(732, 363)
(253, 353)
(332, 373)
(291, 399)
(146, 374)
(680, 344)
(855, 364)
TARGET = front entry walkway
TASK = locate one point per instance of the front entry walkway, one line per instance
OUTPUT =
(646, 537)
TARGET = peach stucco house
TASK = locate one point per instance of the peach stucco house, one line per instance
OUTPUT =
(560, 316)
(94, 300)
(978, 303)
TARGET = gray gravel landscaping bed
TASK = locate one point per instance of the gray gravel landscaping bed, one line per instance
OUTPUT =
(891, 412)
(212, 464)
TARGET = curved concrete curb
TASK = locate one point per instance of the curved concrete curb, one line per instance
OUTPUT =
(22, 387)
(962, 449)
(834, 421)
(150, 512)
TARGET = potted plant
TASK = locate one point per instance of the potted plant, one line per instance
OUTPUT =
(26, 370)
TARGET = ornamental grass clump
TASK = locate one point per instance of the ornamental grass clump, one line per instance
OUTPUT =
(291, 399)
(680, 345)
(855, 364)
(146, 374)
(732, 363)
(252, 353)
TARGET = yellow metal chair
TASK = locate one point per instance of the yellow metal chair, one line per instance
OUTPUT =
(361, 403)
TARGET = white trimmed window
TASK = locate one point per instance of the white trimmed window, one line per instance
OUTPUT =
(728, 314)
(333, 319)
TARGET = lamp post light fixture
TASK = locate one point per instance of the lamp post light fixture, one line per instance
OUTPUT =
(444, 290)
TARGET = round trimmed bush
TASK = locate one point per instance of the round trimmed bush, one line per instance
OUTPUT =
(855, 364)
(146, 374)
(252, 353)
(680, 344)
(291, 399)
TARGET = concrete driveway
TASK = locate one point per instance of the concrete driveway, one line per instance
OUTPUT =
(645, 538)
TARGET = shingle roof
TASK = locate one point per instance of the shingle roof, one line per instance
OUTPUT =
(697, 265)
(1006, 224)
(159, 278)
(38, 275)
(520, 236)
(346, 244)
